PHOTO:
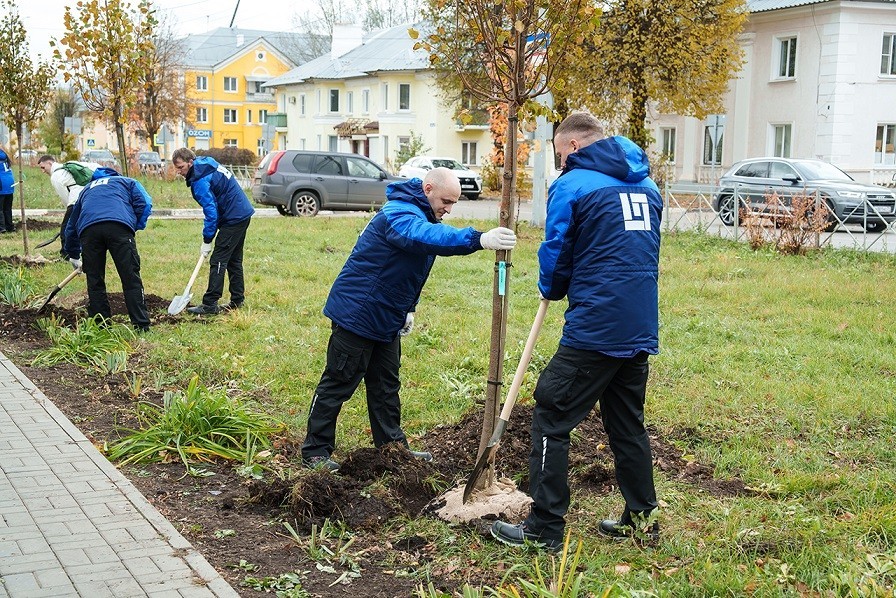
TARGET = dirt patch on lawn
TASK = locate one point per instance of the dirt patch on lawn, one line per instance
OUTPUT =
(239, 523)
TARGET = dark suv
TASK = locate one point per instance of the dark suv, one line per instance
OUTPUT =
(301, 183)
(753, 181)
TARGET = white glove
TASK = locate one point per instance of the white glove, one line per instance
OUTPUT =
(408, 325)
(205, 249)
(76, 264)
(498, 238)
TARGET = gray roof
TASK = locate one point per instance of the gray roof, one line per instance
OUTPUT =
(205, 50)
(385, 50)
(766, 5)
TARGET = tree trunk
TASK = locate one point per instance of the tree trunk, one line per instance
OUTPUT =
(20, 127)
(637, 115)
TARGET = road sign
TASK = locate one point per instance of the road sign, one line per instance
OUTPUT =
(91, 143)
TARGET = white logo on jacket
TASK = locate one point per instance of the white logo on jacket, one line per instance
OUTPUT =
(634, 211)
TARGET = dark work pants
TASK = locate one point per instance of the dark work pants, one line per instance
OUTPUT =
(68, 214)
(351, 358)
(118, 240)
(6, 223)
(227, 256)
(566, 392)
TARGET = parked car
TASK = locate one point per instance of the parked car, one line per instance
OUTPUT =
(301, 183)
(755, 179)
(27, 154)
(149, 162)
(103, 157)
(470, 181)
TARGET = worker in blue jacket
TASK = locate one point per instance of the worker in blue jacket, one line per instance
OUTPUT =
(227, 213)
(372, 302)
(601, 252)
(110, 209)
(7, 184)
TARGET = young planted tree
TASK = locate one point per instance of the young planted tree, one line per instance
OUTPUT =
(677, 54)
(24, 87)
(64, 103)
(103, 57)
(504, 52)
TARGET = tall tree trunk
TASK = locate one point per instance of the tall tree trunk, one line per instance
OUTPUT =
(119, 133)
(20, 127)
(637, 115)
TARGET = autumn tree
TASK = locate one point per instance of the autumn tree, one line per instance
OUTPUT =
(677, 54)
(104, 46)
(24, 87)
(504, 52)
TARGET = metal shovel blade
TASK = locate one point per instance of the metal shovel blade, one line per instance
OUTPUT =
(484, 459)
(179, 303)
(58, 288)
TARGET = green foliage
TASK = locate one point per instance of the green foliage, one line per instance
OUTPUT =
(415, 147)
(17, 286)
(199, 424)
(230, 155)
(92, 343)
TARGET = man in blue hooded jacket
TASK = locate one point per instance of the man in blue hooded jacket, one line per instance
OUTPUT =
(372, 301)
(110, 209)
(227, 213)
(601, 252)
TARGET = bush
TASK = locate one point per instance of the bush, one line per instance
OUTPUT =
(791, 230)
(17, 286)
(232, 156)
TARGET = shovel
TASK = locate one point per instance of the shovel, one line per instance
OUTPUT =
(45, 243)
(509, 402)
(181, 301)
(58, 288)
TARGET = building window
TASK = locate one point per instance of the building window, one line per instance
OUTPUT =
(259, 149)
(782, 135)
(230, 115)
(385, 96)
(230, 143)
(885, 145)
(712, 144)
(350, 102)
(201, 83)
(229, 83)
(334, 100)
(202, 115)
(263, 117)
(386, 145)
(248, 116)
(302, 104)
(468, 153)
(667, 138)
(403, 143)
(332, 143)
(365, 101)
(888, 55)
(404, 96)
(787, 58)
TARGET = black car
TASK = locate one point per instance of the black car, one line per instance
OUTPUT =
(301, 183)
(752, 182)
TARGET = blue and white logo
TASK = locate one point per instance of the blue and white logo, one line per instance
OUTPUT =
(634, 210)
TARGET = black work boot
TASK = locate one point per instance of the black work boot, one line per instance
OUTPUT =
(647, 533)
(520, 536)
(204, 310)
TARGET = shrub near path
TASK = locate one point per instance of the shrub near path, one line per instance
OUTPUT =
(771, 411)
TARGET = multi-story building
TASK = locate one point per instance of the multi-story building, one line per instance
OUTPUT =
(819, 81)
(370, 95)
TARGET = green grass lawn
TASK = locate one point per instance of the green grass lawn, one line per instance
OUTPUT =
(779, 370)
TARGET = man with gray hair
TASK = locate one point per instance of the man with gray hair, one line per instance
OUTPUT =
(371, 305)
(601, 251)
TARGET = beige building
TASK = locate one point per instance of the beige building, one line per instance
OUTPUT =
(369, 96)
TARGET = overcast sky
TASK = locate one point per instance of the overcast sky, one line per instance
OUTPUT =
(43, 18)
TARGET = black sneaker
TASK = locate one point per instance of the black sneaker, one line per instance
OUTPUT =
(520, 536)
(649, 533)
(320, 462)
(422, 455)
(230, 306)
(204, 310)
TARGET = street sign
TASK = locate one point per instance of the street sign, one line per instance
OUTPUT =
(91, 143)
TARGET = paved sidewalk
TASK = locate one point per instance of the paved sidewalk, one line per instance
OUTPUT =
(71, 524)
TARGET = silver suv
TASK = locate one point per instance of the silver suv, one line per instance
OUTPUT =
(756, 179)
(301, 183)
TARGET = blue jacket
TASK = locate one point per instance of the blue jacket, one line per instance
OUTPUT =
(7, 178)
(382, 279)
(108, 198)
(222, 199)
(602, 249)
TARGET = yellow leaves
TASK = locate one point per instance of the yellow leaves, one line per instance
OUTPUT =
(519, 26)
(413, 33)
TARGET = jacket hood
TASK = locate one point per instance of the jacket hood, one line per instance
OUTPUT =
(617, 157)
(202, 166)
(103, 172)
(411, 191)
(3, 156)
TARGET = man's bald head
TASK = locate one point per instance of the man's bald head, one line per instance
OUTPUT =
(442, 188)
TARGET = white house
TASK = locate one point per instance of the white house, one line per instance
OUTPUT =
(369, 95)
(819, 81)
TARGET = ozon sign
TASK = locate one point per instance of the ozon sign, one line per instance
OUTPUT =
(199, 133)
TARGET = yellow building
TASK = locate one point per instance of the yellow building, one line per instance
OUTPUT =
(224, 69)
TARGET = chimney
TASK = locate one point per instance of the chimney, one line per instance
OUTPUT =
(345, 39)
(240, 40)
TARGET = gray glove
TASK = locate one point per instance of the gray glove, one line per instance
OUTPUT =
(498, 238)
(205, 249)
(76, 263)
(408, 325)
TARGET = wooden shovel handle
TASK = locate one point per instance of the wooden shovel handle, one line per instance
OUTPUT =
(195, 274)
(510, 401)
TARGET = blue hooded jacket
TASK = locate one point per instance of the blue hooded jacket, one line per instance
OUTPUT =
(222, 199)
(602, 247)
(108, 198)
(382, 279)
(7, 178)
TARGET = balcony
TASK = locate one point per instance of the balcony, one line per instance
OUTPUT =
(277, 120)
(472, 119)
(262, 97)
